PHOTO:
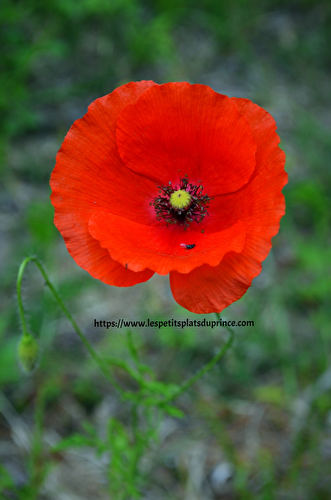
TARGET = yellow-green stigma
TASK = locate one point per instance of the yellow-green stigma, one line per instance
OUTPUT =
(180, 199)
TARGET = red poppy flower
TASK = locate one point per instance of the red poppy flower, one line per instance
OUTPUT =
(176, 179)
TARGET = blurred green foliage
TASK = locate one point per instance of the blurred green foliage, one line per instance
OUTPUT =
(65, 48)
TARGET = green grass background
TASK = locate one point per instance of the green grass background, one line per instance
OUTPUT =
(266, 409)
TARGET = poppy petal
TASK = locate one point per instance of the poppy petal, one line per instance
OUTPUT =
(177, 128)
(88, 174)
(163, 249)
(211, 289)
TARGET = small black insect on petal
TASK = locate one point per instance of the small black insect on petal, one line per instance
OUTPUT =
(186, 246)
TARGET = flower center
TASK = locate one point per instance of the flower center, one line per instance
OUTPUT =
(181, 204)
(180, 199)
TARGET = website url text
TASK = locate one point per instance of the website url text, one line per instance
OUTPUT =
(177, 323)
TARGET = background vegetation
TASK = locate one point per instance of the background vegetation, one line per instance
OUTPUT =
(259, 426)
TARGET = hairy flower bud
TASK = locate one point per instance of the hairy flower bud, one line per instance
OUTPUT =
(28, 353)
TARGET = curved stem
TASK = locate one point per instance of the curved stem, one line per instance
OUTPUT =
(19, 295)
(204, 369)
(102, 365)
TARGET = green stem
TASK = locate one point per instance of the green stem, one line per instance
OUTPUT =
(38, 466)
(204, 369)
(19, 294)
(104, 368)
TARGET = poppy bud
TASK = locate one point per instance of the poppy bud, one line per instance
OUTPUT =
(28, 353)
